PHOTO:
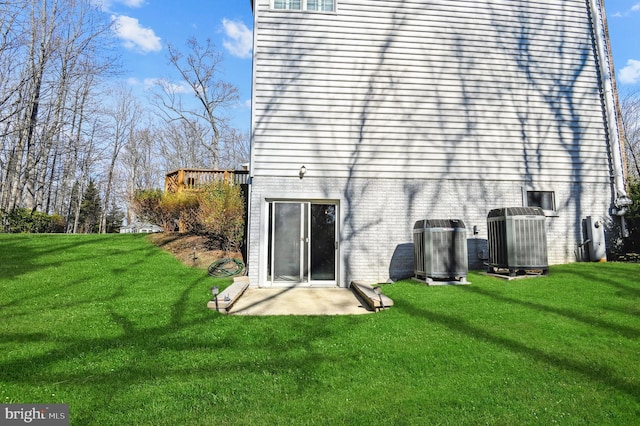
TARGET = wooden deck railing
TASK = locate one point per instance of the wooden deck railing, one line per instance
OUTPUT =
(192, 179)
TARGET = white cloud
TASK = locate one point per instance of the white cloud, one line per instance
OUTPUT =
(243, 105)
(134, 36)
(167, 86)
(631, 73)
(239, 41)
(131, 3)
(626, 14)
(106, 5)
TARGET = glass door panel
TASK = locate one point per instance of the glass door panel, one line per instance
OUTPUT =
(286, 242)
(323, 242)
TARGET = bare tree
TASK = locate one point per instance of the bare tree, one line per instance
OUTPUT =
(180, 145)
(140, 165)
(235, 149)
(630, 107)
(200, 70)
(42, 43)
(124, 117)
(50, 53)
(75, 66)
(12, 30)
(79, 154)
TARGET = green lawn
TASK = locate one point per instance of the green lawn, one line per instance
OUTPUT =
(119, 330)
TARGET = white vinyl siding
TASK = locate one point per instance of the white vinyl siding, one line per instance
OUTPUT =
(492, 90)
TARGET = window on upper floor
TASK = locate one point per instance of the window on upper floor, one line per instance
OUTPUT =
(287, 4)
(312, 5)
(320, 5)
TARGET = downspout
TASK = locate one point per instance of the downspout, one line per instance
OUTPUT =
(622, 199)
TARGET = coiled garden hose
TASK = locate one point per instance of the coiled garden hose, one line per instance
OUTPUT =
(226, 267)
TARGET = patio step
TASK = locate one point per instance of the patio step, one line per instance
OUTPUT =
(368, 293)
(229, 295)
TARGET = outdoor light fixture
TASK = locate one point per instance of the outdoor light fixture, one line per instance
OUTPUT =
(214, 291)
(302, 172)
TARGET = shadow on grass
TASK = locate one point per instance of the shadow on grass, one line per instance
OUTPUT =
(625, 331)
(597, 373)
(614, 278)
(147, 338)
(129, 327)
(188, 332)
(25, 254)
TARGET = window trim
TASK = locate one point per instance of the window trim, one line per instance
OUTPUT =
(547, 212)
(303, 8)
(273, 7)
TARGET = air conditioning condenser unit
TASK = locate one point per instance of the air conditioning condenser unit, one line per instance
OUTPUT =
(517, 241)
(440, 251)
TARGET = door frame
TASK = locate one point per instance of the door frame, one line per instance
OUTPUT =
(264, 280)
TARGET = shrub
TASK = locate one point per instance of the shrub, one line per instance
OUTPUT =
(172, 211)
(146, 205)
(633, 218)
(179, 211)
(221, 213)
(23, 220)
(216, 210)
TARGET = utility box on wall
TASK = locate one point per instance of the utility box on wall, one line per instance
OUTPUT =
(440, 250)
(595, 240)
(517, 240)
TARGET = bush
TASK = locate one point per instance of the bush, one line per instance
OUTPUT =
(27, 221)
(632, 244)
(179, 211)
(216, 210)
(221, 214)
(172, 211)
(146, 205)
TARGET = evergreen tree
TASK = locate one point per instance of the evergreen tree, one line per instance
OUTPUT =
(115, 216)
(90, 210)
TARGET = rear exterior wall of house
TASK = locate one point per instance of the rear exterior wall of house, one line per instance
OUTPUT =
(402, 110)
(375, 242)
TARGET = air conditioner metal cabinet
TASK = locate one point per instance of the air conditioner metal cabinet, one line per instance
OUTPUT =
(517, 240)
(596, 240)
(440, 249)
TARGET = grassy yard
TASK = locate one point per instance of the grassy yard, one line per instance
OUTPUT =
(119, 330)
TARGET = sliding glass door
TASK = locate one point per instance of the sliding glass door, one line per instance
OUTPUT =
(303, 243)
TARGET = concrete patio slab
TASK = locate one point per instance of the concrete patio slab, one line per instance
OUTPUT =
(299, 301)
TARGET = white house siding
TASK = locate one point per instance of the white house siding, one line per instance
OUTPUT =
(455, 106)
(376, 241)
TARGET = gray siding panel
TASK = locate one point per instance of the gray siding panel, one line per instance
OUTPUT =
(498, 90)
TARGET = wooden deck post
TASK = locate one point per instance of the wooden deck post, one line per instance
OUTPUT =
(181, 186)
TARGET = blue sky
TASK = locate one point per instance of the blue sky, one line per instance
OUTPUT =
(623, 18)
(144, 27)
